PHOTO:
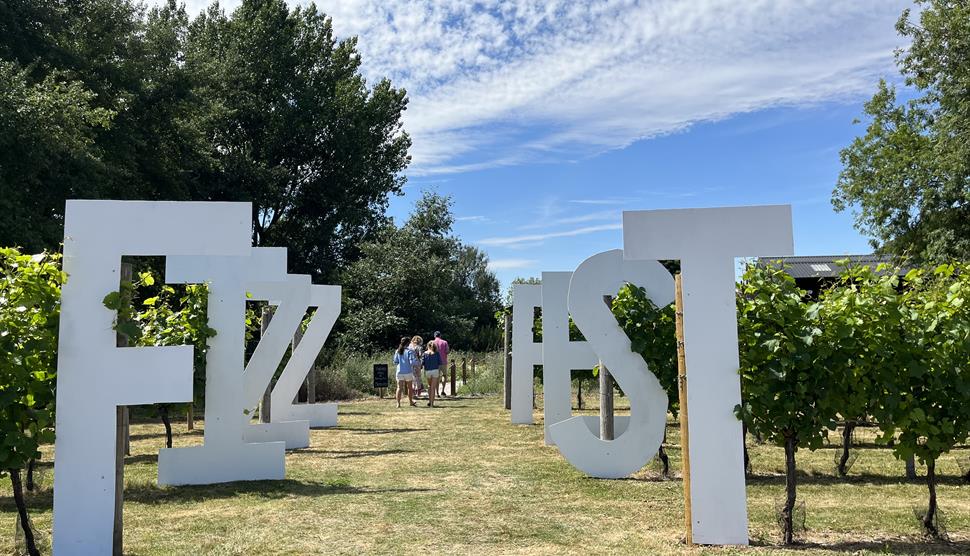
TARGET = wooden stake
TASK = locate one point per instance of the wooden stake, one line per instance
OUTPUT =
(606, 393)
(190, 417)
(122, 444)
(508, 361)
(684, 425)
(453, 390)
(265, 405)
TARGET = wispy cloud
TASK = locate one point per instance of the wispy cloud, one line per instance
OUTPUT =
(613, 201)
(472, 218)
(505, 82)
(614, 215)
(510, 241)
(507, 264)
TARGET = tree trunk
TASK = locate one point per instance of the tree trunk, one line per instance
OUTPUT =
(30, 474)
(911, 468)
(846, 444)
(18, 497)
(163, 412)
(789, 509)
(744, 447)
(662, 454)
(929, 520)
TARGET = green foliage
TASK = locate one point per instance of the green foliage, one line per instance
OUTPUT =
(927, 401)
(151, 314)
(863, 337)
(908, 177)
(30, 291)
(652, 333)
(108, 99)
(786, 393)
(417, 279)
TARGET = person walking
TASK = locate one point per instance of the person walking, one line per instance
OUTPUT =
(442, 346)
(406, 362)
(431, 363)
(417, 346)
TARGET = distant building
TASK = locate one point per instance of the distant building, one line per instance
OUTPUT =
(813, 273)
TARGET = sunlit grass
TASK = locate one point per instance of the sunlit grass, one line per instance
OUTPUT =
(460, 479)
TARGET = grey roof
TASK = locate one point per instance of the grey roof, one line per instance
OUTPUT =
(819, 266)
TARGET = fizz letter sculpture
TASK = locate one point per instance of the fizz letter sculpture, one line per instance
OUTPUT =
(95, 376)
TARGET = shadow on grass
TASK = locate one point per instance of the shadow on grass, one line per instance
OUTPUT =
(804, 478)
(142, 458)
(347, 454)
(161, 434)
(886, 546)
(269, 490)
(359, 430)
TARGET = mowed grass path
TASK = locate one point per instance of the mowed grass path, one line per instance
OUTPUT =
(460, 479)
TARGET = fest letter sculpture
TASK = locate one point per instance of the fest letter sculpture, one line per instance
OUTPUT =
(706, 241)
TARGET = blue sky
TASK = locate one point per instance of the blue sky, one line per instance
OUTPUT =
(544, 119)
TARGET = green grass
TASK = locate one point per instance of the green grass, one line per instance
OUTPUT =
(460, 479)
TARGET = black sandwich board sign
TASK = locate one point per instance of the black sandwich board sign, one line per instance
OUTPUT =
(380, 375)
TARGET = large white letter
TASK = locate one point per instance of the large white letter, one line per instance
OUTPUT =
(598, 276)
(225, 456)
(291, 298)
(526, 353)
(93, 375)
(706, 241)
(327, 301)
(559, 355)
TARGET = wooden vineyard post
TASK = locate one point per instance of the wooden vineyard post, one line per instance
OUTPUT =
(606, 393)
(190, 417)
(464, 371)
(684, 424)
(265, 406)
(508, 362)
(472, 375)
(454, 392)
(122, 444)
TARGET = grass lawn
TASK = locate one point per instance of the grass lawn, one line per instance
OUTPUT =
(460, 479)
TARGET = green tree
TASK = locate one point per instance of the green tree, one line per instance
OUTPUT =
(105, 99)
(30, 291)
(786, 395)
(419, 278)
(295, 130)
(862, 341)
(928, 402)
(908, 177)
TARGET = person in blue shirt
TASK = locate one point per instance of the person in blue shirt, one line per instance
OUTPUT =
(406, 362)
(432, 362)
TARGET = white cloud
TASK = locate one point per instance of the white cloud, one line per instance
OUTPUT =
(472, 218)
(503, 82)
(511, 241)
(507, 264)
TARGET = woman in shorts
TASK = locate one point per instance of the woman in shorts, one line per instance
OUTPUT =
(417, 346)
(432, 362)
(406, 362)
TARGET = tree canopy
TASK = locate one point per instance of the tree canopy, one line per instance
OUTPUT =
(908, 178)
(419, 278)
(103, 99)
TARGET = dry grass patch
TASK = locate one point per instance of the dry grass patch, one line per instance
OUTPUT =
(459, 479)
